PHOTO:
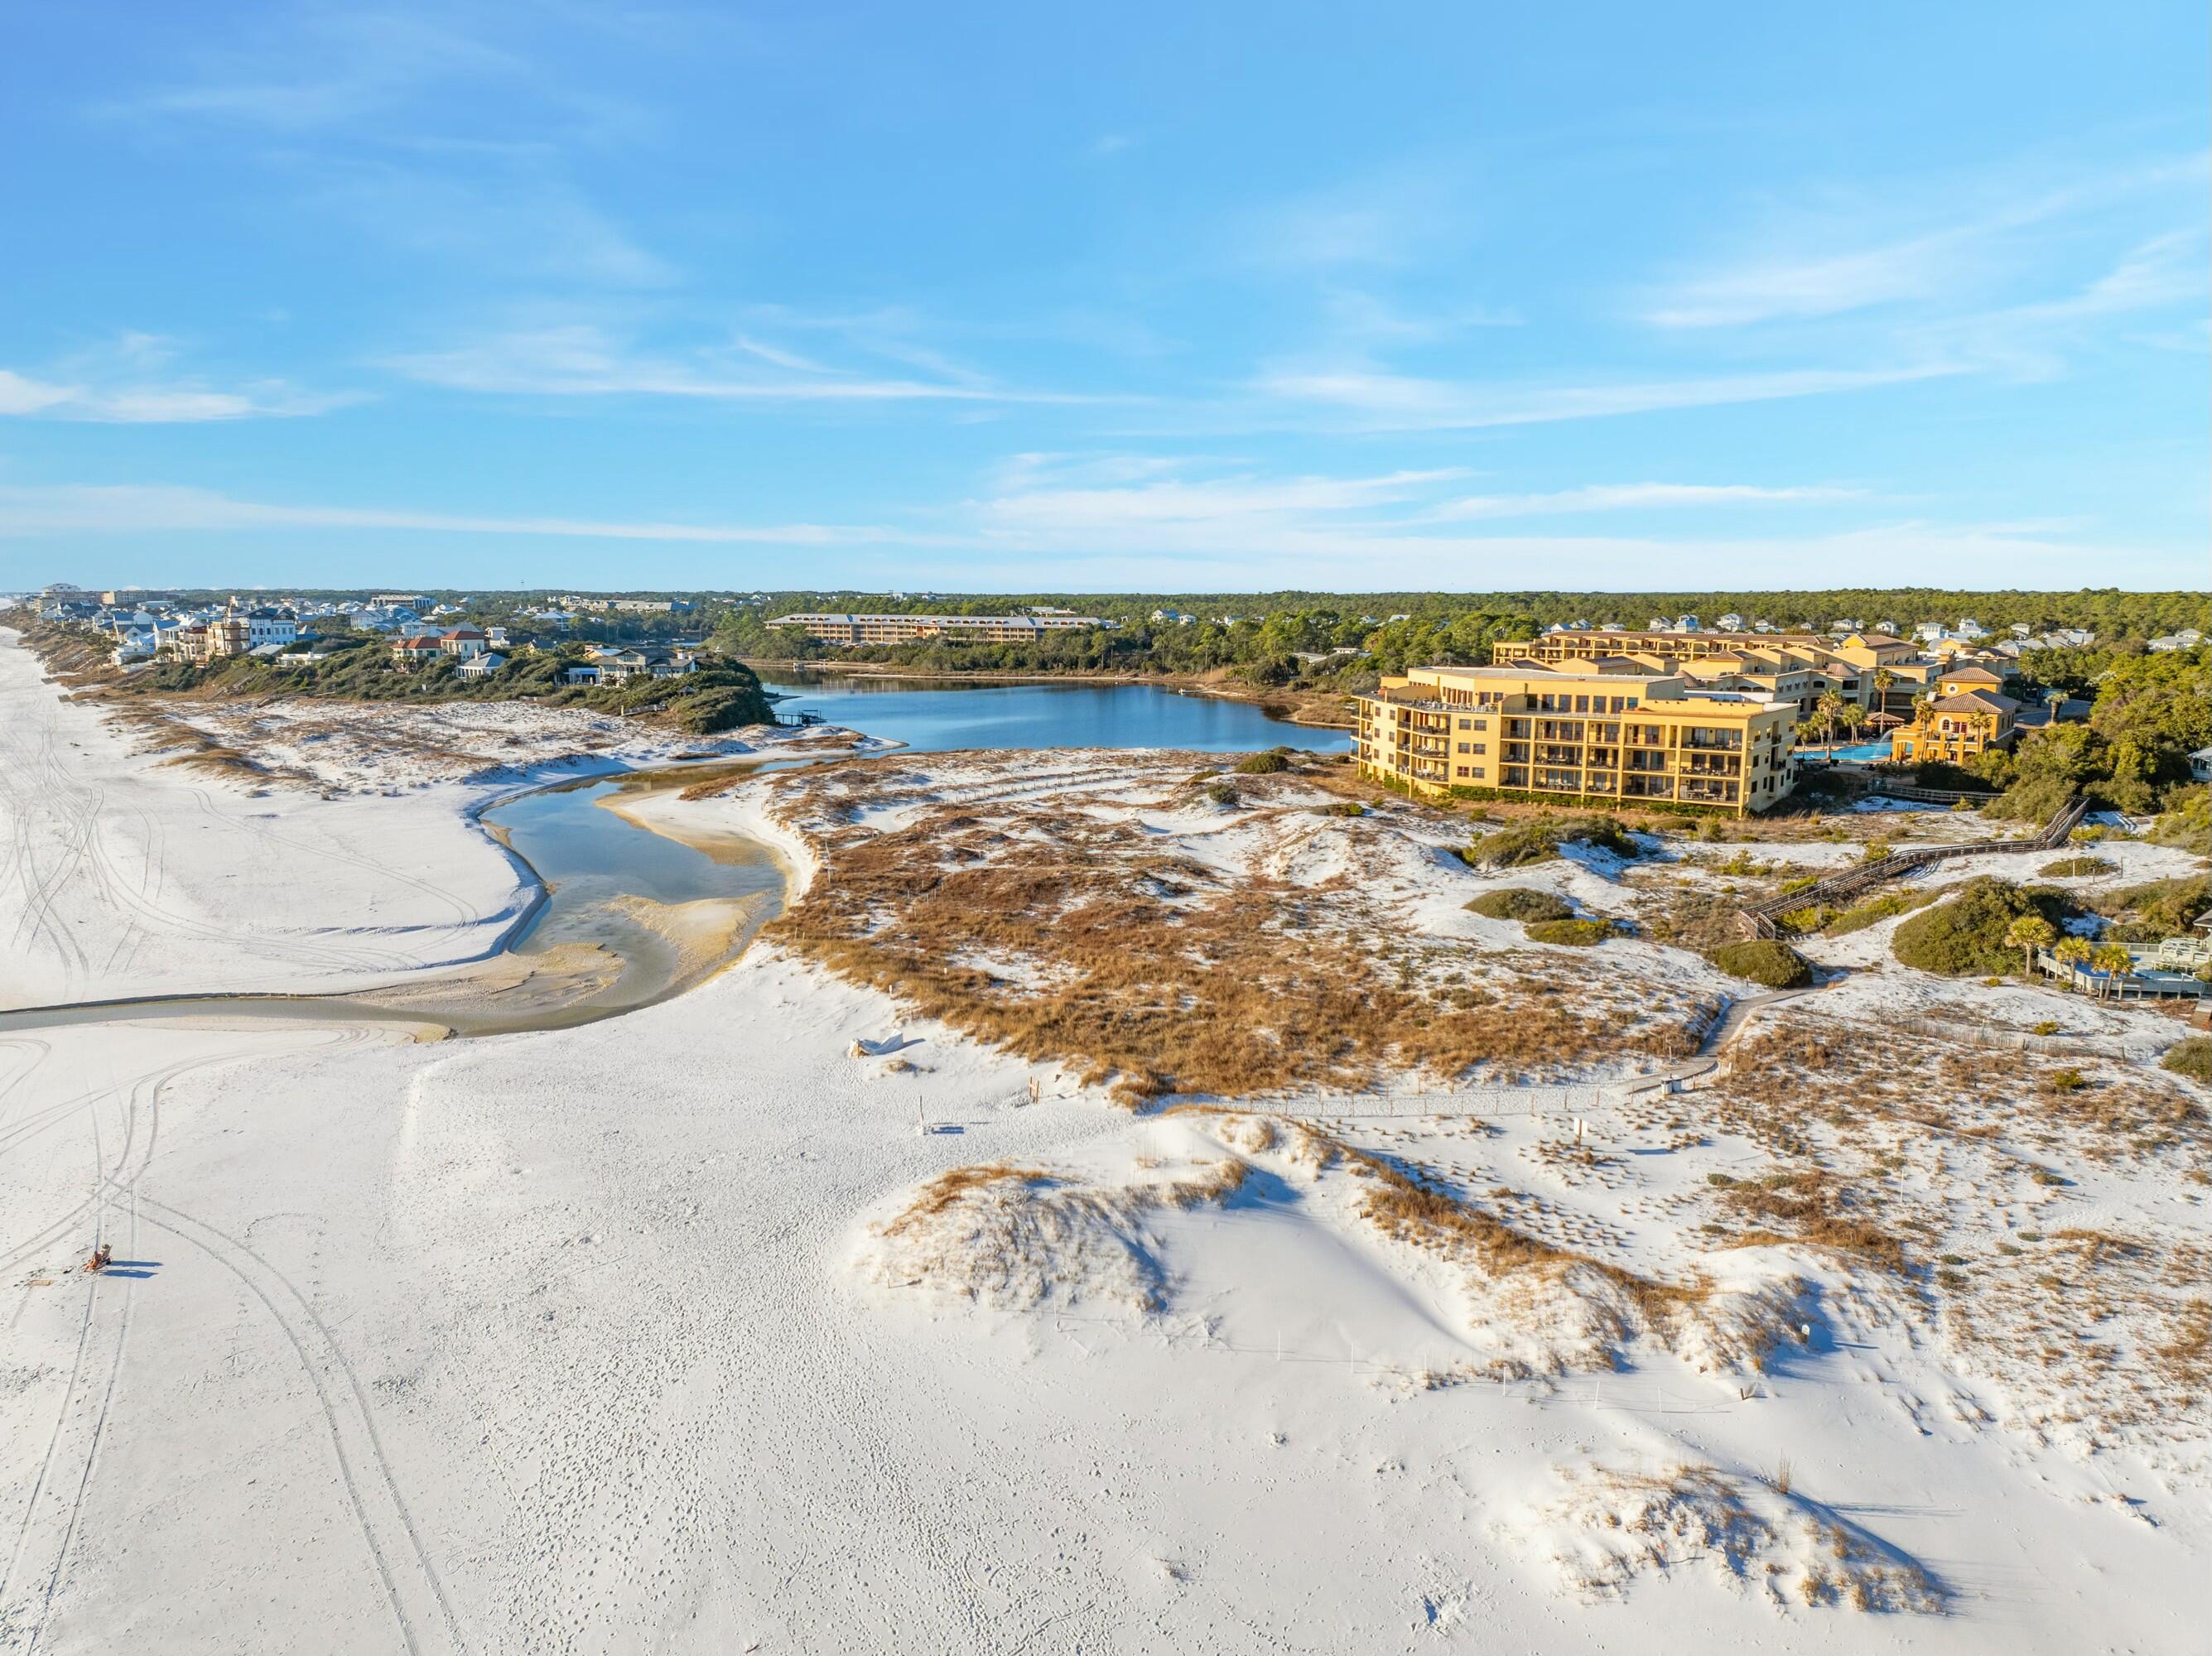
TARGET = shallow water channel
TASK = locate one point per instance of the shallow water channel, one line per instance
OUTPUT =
(627, 917)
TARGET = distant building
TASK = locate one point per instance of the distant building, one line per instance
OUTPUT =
(480, 666)
(414, 601)
(853, 629)
(408, 653)
(463, 641)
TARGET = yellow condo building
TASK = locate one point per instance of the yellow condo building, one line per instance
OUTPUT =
(1586, 736)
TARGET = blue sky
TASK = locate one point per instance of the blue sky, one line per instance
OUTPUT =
(545, 293)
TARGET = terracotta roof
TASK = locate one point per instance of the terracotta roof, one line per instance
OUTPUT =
(417, 644)
(1975, 701)
(1975, 675)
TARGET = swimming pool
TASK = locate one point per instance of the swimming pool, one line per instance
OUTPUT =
(1864, 753)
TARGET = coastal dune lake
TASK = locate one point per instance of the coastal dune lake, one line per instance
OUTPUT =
(933, 716)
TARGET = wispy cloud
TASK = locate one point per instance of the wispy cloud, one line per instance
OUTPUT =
(1376, 401)
(1061, 510)
(1633, 497)
(148, 509)
(377, 71)
(584, 360)
(1852, 257)
(130, 381)
(1352, 533)
(502, 217)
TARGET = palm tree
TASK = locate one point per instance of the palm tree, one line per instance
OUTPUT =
(2027, 934)
(1829, 709)
(1883, 678)
(2114, 961)
(2072, 952)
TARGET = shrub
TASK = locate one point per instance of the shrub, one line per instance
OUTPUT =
(1342, 807)
(1539, 840)
(1223, 794)
(1521, 902)
(1766, 961)
(1581, 934)
(2065, 1080)
(2078, 868)
(2186, 821)
(2155, 910)
(1862, 915)
(1265, 764)
(2191, 1058)
(1965, 937)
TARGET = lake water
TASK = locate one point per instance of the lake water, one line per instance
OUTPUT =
(931, 716)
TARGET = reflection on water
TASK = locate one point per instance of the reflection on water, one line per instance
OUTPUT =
(932, 717)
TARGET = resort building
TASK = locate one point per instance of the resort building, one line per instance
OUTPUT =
(408, 653)
(1799, 666)
(1593, 735)
(1957, 725)
(906, 630)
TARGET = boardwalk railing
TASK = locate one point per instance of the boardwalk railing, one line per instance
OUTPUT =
(1758, 919)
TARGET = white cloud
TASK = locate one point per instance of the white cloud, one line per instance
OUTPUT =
(1813, 265)
(1245, 503)
(110, 388)
(147, 509)
(1632, 497)
(584, 360)
(1380, 400)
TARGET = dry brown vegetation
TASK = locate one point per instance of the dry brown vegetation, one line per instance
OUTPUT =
(1015, 1237)
(1754, 1533)
(1061, 931)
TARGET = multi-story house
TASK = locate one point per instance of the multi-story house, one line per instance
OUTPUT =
(1960, 722)
(1578, 735)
